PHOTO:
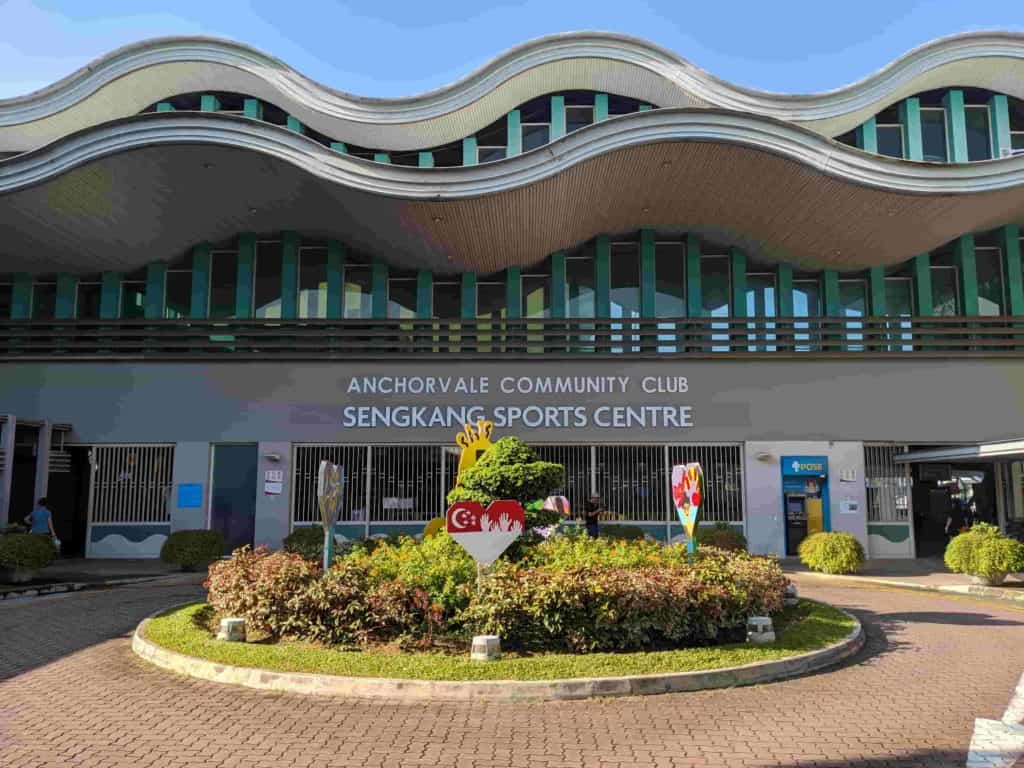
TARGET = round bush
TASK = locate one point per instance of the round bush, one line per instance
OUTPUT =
(26, 551)
(985, 552)
(434, 527)
(832, 553)
(307, 541)
(192, 550)
(722, 536)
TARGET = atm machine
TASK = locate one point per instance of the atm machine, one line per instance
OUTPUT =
(804, 498)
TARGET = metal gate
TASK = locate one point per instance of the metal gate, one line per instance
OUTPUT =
(130, 484)
(888, 483)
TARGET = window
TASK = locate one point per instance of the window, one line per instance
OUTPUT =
(535, 123)
(447, 305)
(890, 140)
(178, 294)
(44, 301)
(669, 290)
(714, 287)
(853, 302)
(402, 295)
(945, 291)
(760, 300)
(536, 290)
(223, 284)
(579, 285)
(312, 283)
(933, 134)
(87, 302)
(491, 311)
(625, 289)
(489, 154)
(578, 117)
(535, 135)
(357, 301)
(991, 290)
(899, 303)
(806, 303)
(977, 120)
(133, 296)
(267, 280)
(6, 300)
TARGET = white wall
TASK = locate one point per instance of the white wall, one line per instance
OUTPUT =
(763, 482)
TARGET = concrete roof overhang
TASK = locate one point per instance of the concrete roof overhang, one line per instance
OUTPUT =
(146, 188)
(1004, 450)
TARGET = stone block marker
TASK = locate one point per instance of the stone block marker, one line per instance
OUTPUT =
(759, 630)
(486, 648)
(232, 630)
(792, 596)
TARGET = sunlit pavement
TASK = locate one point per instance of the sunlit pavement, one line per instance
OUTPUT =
(73, 694)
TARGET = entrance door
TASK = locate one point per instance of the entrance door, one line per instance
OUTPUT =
(233, 497)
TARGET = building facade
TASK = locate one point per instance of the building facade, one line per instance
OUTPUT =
(215, 272)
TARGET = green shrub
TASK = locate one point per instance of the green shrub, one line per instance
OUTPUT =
(26, 551)
(192, 550)
(622, 532)
(832, 553)
(722, 536)
(984, 551)
(576, 549)
(307, 541)
(434, 527)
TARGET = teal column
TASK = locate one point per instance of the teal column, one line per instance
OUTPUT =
(830, 278)
(694, 294)
(425, 159)
(469, 150)
(910, 117)
(956, 125)
(603, 276)
(600, 107)
(876, 285)
(1014, 281)
(648, 278)
(335, 286)
(165, 106)
(424, 294)
(557, 117)
(515, 133)
(923, 284)
(200, 282)
(209, 103)
(294, 124)
(963, 256)
(246, 264)
(999, 124)
(110, 296)
(156, 290)
(339, 146)
(558, 284)
(21, 297)
(381, 157)
(738, 264)
(867, 136)
(784, 281)
(67, 293)
(514, 292)
(379, 283)
(289, 275)
(253, 108)
(468, 295)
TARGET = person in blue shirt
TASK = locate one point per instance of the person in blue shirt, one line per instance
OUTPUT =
(41, 520)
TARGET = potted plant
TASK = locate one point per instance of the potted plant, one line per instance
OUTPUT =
(985, 554)
(22, 554)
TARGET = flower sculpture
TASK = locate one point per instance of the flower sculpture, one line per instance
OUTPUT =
(687, 496)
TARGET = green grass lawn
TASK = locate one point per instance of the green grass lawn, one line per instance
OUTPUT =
(807, 627)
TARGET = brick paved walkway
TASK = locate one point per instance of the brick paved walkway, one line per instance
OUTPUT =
(72, 694)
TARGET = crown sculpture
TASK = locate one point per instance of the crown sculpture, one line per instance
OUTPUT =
(473, 440)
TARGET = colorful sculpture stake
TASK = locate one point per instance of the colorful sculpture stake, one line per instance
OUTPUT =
(473, 442)
(687, 496)
(485, 533)
(329, 480)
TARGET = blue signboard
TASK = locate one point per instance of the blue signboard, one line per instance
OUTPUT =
(804, 466)
(190, 495)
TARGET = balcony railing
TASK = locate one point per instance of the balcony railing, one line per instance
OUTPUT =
(663, 337)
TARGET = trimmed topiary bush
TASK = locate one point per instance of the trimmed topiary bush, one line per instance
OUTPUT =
(23, 553)
(833, 552)
(722, 536)
(307, 541)
(985, 553)
(192, 550)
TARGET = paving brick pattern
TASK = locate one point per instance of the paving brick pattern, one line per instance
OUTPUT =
(73, 694)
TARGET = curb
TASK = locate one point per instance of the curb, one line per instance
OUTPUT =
(82, 586)
(495, 690)
(998, 594)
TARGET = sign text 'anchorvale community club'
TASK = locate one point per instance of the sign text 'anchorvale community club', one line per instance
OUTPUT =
(550, 410)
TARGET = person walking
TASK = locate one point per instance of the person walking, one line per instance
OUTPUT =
(40, 520)
(592, 512)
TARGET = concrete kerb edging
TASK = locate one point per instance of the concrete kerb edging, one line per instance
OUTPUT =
(42, 590)
(495, 690)
(1000, 594)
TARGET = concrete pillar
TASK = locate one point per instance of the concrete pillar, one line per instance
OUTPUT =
(273, 511)
(6, 465)
(191, 468)
(43, 460)
(514, 138)
(469, 150)
(867, 136)
(557, 117)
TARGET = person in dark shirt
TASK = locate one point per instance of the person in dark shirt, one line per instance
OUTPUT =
(592, 511)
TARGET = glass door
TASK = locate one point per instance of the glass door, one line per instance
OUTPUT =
(233, 496)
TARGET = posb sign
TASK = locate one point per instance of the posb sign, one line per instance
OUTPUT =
(485, 533)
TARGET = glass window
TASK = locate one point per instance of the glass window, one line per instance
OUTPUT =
(357, 302)
(489, 154)
(890, 140)
(853, 302)
(223, 284)
(133, 296)
(6, 300)
(991, 290)
(536, 295)
(625, 288)
(492, 298)
(402, 297)
(806, 303)
(447, 301)
(945, 290)
(267, 280)
(44, 301)
(178, 295)
(579, 285)
(978, 147)
(760, 298)
(669, 279)
(578, 117)
(535, 135)
(899, 302)
(1017, 140)
(714, 288)
(87, 302)
(313, 283)
(933, 134)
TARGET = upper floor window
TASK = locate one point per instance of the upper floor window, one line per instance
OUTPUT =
(890, 139)
(446, 302)
(223, 284)
(991, 286)
(976, 118)
(536, 290)
(669, 278)
(88, 299)
(133, 296)
(312, 282)
(357, 301)
(402, 295)
(577, 117)
(267, 280)
(933, 134)
(44, 300)
(6, 300)
(535, 123)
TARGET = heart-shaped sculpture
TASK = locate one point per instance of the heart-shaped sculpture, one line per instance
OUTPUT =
(485, 533)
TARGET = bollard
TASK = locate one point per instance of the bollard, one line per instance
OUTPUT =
(232, 630)
(792, 597)
(486, 648)
(759, 630)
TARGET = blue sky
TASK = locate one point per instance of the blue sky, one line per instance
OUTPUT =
(382, 48)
